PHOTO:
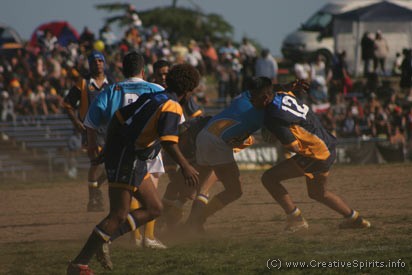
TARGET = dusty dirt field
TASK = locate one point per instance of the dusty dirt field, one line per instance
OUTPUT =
(381, 193)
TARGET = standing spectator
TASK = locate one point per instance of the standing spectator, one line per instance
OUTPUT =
(367, 52)
(179, 52)
(194, 58)
(339, 74)
(381, 52)
(87, 38)
(396, 70)
(228, 51)
(108, 37)
(266, 66)
(408, 122)
(6, 107)
(406, 74)
(74, 146)
(320, 74)
(47, 42)
(210, 56)
(247, 58)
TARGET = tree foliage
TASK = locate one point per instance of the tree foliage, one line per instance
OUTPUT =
(179, 22)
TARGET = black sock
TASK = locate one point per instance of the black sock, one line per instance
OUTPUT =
(129, 225)
(198, 207)
(89, 249)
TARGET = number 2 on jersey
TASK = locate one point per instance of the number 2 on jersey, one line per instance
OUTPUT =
(290, 104)
(129, 98)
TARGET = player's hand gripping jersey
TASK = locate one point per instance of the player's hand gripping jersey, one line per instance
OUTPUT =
(293, 123)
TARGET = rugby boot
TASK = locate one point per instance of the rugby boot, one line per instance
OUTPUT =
(78, 269)
(294, 224)
(355, 221)
(103, 257)
(154, 244)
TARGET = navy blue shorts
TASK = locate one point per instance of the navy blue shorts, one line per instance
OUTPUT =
(123, 166)
(313, 166)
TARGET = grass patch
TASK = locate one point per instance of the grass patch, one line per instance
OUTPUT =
(222, 256)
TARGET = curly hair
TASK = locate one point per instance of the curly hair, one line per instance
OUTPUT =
(182, 78)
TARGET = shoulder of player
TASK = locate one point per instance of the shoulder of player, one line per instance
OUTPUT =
(142, 83)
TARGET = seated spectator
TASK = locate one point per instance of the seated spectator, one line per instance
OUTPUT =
(381, 126)
(328, 120)
(350, 127)
(398, 137)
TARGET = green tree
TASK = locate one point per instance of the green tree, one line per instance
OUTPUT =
(179, 22)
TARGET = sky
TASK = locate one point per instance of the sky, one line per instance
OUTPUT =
(266, 21)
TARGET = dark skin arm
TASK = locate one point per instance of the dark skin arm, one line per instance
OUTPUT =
(190, 173)
(76, 122)
(92, 147)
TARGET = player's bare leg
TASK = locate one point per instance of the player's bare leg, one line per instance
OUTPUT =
(272, 179)
(176, 195)
(317, 190)
(96, 177)
(202, 208)
(148, 239)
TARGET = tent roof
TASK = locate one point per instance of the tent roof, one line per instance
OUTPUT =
(15, 35)
(61, 29)
(382, 11)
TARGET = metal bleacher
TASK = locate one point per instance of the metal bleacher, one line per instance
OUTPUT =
(43, 137)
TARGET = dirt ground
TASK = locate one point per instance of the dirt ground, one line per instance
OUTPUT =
(381, 193)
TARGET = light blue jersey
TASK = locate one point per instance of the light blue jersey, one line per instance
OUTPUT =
(238, 121)
(116, 96)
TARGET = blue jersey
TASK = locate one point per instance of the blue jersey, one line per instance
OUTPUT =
(114, 97)
(237, 122)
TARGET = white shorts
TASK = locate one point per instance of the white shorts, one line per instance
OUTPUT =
(155, 165)
(212, 150)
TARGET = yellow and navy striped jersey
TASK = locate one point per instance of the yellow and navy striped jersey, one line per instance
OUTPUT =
(153, 118)
(191, 109)
(293, 123)
(82, 94)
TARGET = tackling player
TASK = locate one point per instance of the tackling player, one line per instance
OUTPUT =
(300, 131)
(214, 151)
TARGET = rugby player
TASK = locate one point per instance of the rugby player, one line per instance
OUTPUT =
(102, 110)
(134, 135)
(301, 132)
(215, 146)
(82, 94)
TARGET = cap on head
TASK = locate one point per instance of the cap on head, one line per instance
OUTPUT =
(95, 55)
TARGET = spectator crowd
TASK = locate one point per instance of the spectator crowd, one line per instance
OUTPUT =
(34, 79)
